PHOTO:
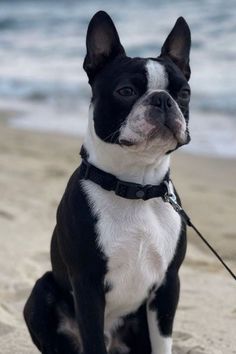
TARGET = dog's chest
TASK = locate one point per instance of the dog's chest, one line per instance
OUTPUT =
(139, 240)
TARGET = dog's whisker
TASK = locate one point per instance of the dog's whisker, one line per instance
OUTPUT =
(111, 135)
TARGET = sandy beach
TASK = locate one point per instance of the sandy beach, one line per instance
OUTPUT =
(34, 170)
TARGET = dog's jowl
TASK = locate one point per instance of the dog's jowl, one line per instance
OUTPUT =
(117, 246)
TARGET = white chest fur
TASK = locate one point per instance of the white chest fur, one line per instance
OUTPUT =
(139, 239)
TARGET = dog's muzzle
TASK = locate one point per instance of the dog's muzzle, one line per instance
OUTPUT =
(156, 115)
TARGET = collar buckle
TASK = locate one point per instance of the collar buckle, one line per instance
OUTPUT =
(131, 190)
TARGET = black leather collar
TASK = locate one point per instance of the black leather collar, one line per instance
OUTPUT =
(123, 189)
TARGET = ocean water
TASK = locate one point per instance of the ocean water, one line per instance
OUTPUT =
(42, 46)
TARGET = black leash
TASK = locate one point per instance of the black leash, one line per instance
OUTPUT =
(131, 190)
(170, 198)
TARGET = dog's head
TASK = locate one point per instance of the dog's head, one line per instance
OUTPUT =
(139, 103)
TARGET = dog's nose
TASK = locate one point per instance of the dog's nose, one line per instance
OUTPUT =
(160, 100)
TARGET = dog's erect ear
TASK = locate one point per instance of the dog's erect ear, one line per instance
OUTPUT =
(103, 43)
(177, 46)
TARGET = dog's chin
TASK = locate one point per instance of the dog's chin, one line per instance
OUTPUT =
(160, 135)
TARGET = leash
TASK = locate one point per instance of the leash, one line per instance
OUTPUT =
(170, 198)
(129, 190)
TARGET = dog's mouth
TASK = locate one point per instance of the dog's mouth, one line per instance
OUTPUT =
(162, 130)
(125, 142)
(176, 129)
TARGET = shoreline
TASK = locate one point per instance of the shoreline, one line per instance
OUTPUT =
(207, 140)
(35, 168)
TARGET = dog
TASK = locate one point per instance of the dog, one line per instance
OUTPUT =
(117, 246)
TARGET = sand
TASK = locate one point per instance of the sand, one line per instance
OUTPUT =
(34, 170)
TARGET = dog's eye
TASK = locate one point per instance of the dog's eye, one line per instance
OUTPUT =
(126, 91)
(184, 94)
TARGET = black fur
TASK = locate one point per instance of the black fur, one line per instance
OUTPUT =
(78, 265)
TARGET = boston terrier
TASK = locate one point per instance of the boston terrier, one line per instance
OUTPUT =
(117, 246)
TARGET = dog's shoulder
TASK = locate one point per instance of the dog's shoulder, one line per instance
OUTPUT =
(181, 246)
(73, 203)
(76, 227)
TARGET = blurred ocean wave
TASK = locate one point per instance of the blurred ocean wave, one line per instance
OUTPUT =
(42, 46)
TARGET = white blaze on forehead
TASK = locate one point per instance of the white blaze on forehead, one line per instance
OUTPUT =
(156, 75)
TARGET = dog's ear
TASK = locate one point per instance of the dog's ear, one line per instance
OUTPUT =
(103, 43)
(177, 46)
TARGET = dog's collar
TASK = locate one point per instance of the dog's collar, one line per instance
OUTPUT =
(127, 190)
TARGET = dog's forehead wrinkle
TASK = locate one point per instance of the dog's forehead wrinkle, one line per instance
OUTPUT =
(156, 75)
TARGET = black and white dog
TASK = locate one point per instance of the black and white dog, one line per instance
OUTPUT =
(114, 284)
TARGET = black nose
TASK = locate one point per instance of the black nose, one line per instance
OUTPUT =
(161, 100)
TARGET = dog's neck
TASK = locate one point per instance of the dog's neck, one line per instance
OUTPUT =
(144, 167)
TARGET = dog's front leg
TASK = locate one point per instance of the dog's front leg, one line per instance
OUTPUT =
(89, 299)
(161, 309)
